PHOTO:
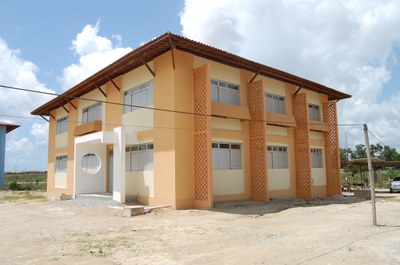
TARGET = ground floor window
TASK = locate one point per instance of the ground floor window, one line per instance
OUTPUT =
(316, 158)
(139, 157)
(61, 163)
(226, 156)
(277, 157)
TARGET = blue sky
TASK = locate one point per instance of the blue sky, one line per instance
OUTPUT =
(352, 46)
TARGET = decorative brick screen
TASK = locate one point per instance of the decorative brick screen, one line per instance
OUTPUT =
(202, 137)
(302, 147)
(332, 153)
(257, 131)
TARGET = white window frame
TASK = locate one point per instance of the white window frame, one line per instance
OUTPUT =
(314, 112)
(61, 163)
(278, 157)
(139, 157)
(317, 158)
(92, 113)
(226, 156)
(139, 96)
(225, 92)
(90, 163)
(62, 125)
(275, 103)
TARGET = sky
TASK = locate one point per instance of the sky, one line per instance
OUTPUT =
(351, 46)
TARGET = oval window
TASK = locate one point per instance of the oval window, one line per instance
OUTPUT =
(90, 163)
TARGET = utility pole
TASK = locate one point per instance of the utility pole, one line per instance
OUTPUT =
(370, 173)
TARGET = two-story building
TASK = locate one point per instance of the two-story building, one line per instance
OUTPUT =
(181, 123)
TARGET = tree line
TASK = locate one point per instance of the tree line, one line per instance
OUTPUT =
(384, 152)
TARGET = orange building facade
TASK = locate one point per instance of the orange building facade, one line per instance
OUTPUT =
(181, 123)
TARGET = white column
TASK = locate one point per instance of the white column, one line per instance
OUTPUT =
(119, 166)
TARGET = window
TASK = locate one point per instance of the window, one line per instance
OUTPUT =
(277, 157)
(141, 95)
(225, 92)
(90, 163)
(275, 103)
(313, 112)
(226, 156)
(61, 164)
(62, 125)
(91, 113)
(316, 158)
(139, 157)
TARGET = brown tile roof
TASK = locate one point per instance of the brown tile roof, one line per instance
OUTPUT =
(164, 43)
(9, 126)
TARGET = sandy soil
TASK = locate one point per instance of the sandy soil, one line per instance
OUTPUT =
(331, 231)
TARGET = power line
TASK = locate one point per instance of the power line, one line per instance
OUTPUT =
(157, 109)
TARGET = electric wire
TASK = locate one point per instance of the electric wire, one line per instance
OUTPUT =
(158, 109)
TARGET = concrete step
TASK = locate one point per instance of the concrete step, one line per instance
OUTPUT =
(97, 196)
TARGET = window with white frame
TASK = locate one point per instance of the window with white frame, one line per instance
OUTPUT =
(138, 96)
(90, 163)
(316, 158)
(225, 92)
(275, 103)
(62, 125)
(139, 157)
(91, 113)
(226, 156)
(277, 157)
(61, 163)
(313, 112)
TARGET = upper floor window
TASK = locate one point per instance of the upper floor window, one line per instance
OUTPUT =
(226, 156)
(277, 157)
(91, 113)
(139, 157)
(62, 125)
(141, 95)
(225, 92)
(61, 164)
(275, 103)
(316, 158)
(313, 112)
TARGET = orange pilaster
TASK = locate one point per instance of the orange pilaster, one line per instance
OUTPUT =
(203, 197)
(257, 132)
(302, 147)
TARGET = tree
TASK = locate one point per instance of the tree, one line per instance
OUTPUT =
(359, 152)
(389, 154)
(376, 150)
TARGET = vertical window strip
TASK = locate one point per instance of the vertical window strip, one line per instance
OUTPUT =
(225, 92)
(277, 157)
(275, 103)
(139, 157)
(226, 156)
(139, 96)
(61, 164)
(316, 158)
(314, 112)
(62, 125)
(91, 113)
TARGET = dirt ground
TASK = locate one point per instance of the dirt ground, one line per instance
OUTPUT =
(331, 231)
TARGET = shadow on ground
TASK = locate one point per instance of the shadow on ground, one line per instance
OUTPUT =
(277, 205)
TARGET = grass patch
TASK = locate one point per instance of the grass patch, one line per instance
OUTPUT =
(26, 181)
(23, 196)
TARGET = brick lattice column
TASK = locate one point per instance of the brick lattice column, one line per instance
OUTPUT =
(302, 147)
(332, 152)
(257, 131)
(202, 138)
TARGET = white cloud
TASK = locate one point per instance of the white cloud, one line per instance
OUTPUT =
(17, 72)
(94, 51)
(347, 45)
(40, 132)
